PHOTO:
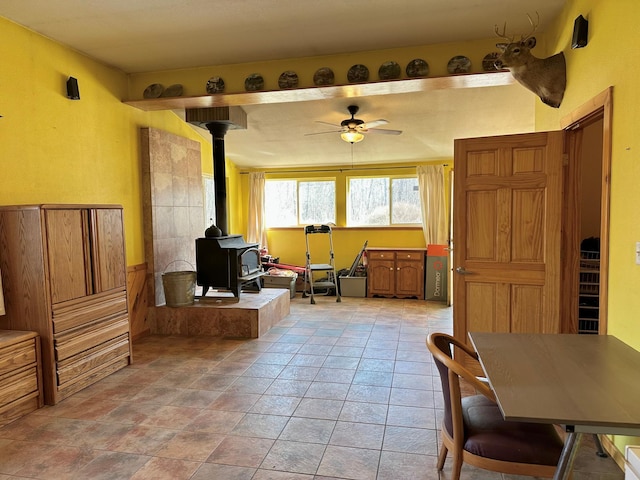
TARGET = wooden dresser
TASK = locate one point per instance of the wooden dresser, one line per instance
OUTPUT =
(396, 272)
(64, 277)
(20, 374)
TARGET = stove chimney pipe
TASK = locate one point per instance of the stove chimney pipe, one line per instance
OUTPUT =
(218, 120)
(218, 131)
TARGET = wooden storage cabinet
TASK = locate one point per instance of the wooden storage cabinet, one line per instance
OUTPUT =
(396, 272)
(64, 272)
(20, 374)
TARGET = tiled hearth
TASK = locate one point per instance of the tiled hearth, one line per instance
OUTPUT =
(220, 314)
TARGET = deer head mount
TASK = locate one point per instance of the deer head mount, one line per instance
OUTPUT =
(546, 77)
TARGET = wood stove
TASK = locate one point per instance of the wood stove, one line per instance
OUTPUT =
(227, 263)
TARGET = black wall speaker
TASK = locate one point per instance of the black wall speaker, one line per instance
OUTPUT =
(580, 32)
(72, 89)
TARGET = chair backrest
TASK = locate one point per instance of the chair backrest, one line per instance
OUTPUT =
(442, 347)
(445, 347)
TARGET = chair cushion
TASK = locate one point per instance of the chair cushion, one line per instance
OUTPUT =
(488, 435)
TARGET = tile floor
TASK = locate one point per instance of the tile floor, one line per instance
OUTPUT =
(334, 391)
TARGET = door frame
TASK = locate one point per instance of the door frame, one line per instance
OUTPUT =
(599, 107)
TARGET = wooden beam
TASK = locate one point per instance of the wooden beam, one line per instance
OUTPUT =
(390, 87)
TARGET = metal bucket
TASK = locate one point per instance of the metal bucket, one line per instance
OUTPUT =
(179, 287)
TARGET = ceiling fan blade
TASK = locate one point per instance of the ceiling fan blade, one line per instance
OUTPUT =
(374, 123)
(322, 133)
(327, 123)
(384, 131)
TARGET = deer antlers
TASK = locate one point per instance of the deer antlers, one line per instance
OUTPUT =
(504, 33)
(510, 39)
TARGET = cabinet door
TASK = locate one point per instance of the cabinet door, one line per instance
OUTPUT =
(410, 278)
(109, 264)
(381, 277)
(67, 234)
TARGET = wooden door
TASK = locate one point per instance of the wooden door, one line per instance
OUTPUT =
(507, 221)
(68, 252)
(109, 263)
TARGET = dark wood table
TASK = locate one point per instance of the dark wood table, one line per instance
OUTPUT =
(586, 383)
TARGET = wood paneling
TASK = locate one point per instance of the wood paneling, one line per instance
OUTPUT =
(527, 232)
(138, 306)
(482, 235)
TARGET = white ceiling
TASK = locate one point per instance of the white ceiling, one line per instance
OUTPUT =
(151, 35)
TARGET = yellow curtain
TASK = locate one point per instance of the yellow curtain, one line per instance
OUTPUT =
(256, 229)
(432, 199)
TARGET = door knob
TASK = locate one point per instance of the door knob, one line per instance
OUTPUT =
(462, 271)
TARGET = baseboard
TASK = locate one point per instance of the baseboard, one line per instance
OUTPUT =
(612, 450)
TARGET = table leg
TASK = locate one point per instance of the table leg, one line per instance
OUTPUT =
(599, 450)
(568, 455)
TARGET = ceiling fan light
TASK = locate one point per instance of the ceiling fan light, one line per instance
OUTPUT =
(352, 137)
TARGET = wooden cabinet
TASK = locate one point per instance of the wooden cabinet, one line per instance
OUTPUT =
(64, 275)
(396, 272)
(20, 374)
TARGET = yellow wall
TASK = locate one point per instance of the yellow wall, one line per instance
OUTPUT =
(602, 63)
(609, 59)
(56, 150)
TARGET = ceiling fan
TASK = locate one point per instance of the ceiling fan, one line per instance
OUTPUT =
(352, 129)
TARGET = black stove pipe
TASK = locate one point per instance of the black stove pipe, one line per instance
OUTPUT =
(218, 130)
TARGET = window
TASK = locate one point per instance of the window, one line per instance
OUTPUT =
(299, 202)
(383, 201)
(209, 200)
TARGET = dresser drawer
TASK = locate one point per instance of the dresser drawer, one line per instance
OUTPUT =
(70, 315)
(380, 255)
(95, 357)
(410, 255)
(17, 356)
(20, 407)
(88, 336)
(16, 386)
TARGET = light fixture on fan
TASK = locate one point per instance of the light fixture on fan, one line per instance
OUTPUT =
(352, 136)
(352, 130)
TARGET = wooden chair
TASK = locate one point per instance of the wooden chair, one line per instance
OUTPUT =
(474, 430)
